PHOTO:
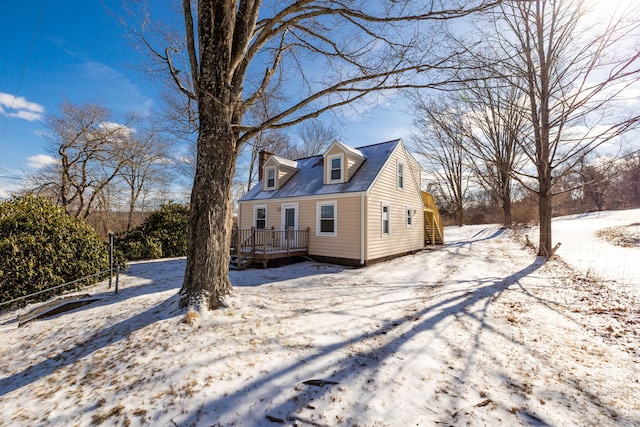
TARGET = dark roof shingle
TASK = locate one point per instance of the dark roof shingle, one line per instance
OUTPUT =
(308, 181)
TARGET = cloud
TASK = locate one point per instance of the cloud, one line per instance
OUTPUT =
(40, 161)
(26, 115)
(114, 127)
(20, 108)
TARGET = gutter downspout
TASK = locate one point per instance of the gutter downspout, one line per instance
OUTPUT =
(362, 228)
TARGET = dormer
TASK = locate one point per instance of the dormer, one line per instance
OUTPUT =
(276, 171)
(340, 163)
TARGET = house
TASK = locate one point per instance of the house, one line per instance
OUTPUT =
(347, 206)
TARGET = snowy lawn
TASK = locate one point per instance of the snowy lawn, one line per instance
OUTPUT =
(478, 332)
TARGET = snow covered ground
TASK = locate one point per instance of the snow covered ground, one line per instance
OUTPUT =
(478, 332)
(582, 249)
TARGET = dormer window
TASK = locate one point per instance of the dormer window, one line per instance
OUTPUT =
(336, 168)
(271, 178)
(340, 163)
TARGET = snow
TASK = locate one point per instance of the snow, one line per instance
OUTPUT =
(478, 332)
(581, 248)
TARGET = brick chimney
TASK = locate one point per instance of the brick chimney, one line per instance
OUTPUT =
(262, 157)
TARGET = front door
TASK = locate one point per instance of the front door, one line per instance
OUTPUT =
(290, 224)
(290, 219)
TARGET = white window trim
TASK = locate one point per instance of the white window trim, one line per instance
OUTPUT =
(319, 205)
(255, 215)
(342, 171)
(382, 206)
(400, 167)
(410, 215)
(266, 178)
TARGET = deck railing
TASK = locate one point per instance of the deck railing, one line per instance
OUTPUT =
(268, 241)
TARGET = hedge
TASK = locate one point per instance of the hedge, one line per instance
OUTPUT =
(42, 246)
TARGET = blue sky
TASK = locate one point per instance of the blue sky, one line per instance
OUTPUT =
(56, 50)
(77, 50)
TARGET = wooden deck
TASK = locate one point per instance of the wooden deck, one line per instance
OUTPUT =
(261, 245)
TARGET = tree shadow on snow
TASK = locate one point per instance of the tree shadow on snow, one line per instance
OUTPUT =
(258, 276)
(142, 278)
(347, 368)
(481, 235)
(155, 280)
(299, 400)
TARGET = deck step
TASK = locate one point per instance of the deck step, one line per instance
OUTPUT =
(438, 238)
(239, 265)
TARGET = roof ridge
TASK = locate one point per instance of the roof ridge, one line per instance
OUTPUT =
(380, 143)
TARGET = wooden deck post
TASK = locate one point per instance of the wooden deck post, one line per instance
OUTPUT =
(236, 243)
(253, 240)
(288, 240)
(433, 230)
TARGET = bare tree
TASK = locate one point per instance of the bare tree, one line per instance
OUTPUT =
(631, 179)
(314, 138)
(144, 168)
(271, 140)
(440, 141)
(498, 131)
(238, 51)
(573, 69)
(88, 145)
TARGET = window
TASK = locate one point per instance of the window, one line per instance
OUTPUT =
(386, 217)
(409, 217)
(271, 177)
(326, 219)
(335, 171)
(260, 217)
(400, 175)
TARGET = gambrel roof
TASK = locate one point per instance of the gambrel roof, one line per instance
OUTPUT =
(308, 181)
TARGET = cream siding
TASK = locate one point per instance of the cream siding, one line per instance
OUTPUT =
(245, 219)
(347, 242)
(401, 239)
(333, 151)
(284, 174)
(351, 162)
(270, 163)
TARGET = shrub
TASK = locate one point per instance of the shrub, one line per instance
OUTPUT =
(42, 246)
(163, 234)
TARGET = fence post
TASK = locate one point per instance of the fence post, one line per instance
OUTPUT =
(117, 278)
(110, 233)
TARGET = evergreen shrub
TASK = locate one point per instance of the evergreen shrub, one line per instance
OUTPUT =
(41, 246)
(162, 235)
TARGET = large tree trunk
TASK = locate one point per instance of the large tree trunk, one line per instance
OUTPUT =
(506, 198)
(459, 214)
(544, 211)
(508, 215)
(206, 280)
